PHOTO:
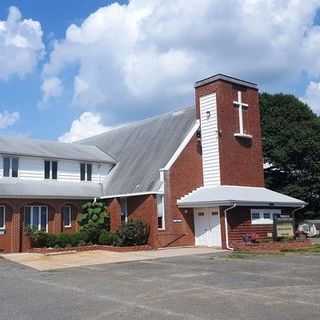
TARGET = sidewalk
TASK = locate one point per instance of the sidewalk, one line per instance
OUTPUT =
(43, 262)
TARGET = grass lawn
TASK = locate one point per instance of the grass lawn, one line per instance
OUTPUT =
(314, 249)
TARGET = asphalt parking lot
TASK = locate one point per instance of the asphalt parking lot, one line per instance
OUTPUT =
(209, 286)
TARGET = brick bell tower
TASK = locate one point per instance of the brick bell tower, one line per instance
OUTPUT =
(228, 109)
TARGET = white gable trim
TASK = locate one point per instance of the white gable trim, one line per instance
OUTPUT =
(130, 194)
(181, 147)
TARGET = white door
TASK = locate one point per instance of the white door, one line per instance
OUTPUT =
(207, 227)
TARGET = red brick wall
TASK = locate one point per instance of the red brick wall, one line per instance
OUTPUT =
(15, 239)
(184, 176)
(241, 160)
(144, 208)
(139, 207)
(239, 224)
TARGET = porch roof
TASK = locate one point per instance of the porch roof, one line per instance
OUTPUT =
(239, 195)
(17, 188)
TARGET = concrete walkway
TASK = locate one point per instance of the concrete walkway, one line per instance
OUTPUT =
(43, 262)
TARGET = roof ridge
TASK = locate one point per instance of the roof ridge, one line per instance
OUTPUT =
(136, 123)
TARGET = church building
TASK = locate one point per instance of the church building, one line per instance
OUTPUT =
(194, 175)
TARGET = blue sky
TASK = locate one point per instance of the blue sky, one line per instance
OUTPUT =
(69, 69)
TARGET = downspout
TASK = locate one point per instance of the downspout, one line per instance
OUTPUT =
(294, 214)
(226, 225)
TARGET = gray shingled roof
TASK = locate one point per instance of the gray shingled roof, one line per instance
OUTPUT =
(229, 195)
(49, 189)
(141, 149)
(52, 149)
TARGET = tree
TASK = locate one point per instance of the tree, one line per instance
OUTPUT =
(291, 147)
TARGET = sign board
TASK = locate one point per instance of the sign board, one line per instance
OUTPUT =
(283, 228)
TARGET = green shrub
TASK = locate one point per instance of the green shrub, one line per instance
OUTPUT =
(41, 239)
(75, 239)
(52, 239)
(134, 232)
(93, 220)
(108, 238)
(63, 240)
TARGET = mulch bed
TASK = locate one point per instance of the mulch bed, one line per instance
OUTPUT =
(90, 248)
(265, 247)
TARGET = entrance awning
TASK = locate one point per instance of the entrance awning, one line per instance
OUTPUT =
(242, 196)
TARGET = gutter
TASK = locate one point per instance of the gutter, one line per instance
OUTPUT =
(182, 204)
(226, 225)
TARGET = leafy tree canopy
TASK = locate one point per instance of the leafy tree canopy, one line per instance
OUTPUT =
(291, 146)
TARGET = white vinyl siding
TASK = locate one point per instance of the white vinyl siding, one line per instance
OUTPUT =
(68, 170)
(210, 140)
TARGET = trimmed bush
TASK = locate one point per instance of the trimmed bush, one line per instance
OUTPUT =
(41, 239)
(107, 238)
(133, 233)
(63, 240)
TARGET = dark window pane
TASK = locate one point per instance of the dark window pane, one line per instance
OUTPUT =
(89, 172)
(54, 169)
(35, 217)
(27, 216)
(43, 220)
(160, 223)
(66, 216)
(15, 167)
(2, 217)
(82, 171)
(47, 169)
(6, 167)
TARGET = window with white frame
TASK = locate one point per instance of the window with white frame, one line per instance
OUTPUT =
(124, 210)
(36, 217)
(160, 212)
(10, 167)
(85, 171)
(2, 217)
(50, 169)
(264, 216)
(67, 216)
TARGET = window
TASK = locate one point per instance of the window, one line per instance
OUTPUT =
(264, 216)
(10, 167)
(2, 217)
(85, 171)
(67, 213)
(89, 171)
(160, 211)
(124, 210)
(51, 169)
(36, 217)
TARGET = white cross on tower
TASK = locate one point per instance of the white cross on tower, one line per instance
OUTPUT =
(241, 107)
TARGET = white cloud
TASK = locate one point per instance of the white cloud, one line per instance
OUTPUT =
(312, 96)
(88, 124)
(21, 45)
(148, 53)
(8, 119)
(51, 87)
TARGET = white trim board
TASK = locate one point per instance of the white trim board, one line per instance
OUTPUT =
(181, 147)
(130, 194)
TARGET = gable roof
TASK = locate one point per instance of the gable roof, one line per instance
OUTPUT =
(142, 149)
(52, 149)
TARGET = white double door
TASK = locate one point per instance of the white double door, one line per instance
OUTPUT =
(207, 227)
